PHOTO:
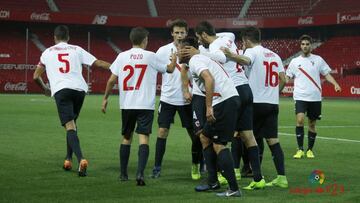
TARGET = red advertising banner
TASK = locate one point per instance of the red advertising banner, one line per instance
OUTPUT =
(351, 91)
(160, 22)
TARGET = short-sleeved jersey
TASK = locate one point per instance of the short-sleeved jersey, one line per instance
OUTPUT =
(234, 69)
(265, 66)
(224, 87)
(306, 71)
(137, 69)
(171, 87)
(63, 64)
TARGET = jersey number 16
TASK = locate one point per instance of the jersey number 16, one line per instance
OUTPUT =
(271, 77)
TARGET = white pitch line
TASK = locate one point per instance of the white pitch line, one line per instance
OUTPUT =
(325, 138)
(324, 126)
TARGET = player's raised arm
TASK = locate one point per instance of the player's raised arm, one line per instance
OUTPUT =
(40, 69)
(101, 64)
(241, 59)
(109, 86)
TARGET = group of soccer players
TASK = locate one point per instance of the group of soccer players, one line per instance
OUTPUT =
(222, 94)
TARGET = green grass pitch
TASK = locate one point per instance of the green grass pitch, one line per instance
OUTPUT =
(32, 149)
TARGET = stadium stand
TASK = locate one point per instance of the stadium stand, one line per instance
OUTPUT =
(126, 8)
(199, 8)
(278, 8)
(25, 5)
(333, 6)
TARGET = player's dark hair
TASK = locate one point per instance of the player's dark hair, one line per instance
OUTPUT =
(178, 23)
(306, 37)
(137, 35)
(205, 27)
(61, 32)
(190, 41)
(251, 33)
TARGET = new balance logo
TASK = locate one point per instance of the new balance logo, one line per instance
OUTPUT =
(100, 19)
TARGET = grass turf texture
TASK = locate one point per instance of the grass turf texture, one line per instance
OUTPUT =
(32, 150)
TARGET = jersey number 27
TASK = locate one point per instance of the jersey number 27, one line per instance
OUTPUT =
(126, 87)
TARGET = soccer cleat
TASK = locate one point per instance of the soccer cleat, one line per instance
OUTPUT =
(299, 154)
(256, 185)
(140, 181)
(280, 181)
(82, 167)
(195, 172)
(156, 172)
(229, 193)
(310, 154)
(222, 180)
(207, 187)
(124, 177)
(67, 165)
(237, 174)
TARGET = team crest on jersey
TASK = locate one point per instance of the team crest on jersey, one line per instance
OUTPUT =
(313, 63)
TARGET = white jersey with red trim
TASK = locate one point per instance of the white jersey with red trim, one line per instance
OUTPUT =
(63, 64)
(265, 66)
(224, 87)
(235, 70)
(171, 87)
(306, 73)
(137, 69)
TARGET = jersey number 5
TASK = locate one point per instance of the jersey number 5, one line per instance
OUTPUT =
(126, 87)
(61, 58)
(272, 77)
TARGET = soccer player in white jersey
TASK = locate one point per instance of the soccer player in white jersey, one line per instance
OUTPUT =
(172, 101)
(266, 79)
(306, 70)
(205, 33)
(221, 100)
(63, 65)
(136, 70)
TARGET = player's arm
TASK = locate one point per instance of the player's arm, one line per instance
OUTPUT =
(331, 79)
(171, 67)
(101, 64)
(185, 83)
(209, 89)
(241, 59)
(109, 86)
(282, 81)
(40, 69)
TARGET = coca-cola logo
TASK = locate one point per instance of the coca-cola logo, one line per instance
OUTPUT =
(4, 14)
(309, 20)
(349, 18)
(20, 86)
(40, 16)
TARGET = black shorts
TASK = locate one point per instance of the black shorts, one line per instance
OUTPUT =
(69, 103)
(167, 112)
(266, 120)
(222, 130)
(245, 117)
(312, 109)
(198, 113)
(143, 118)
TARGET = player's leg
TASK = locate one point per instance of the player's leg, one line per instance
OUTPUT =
(166, 113)
(185, 114)
(253, 152)
(246, 170)
(224, 128)
(128, 121)
(300, 110)
(144, 126)
(314, 113)
(271, 136)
